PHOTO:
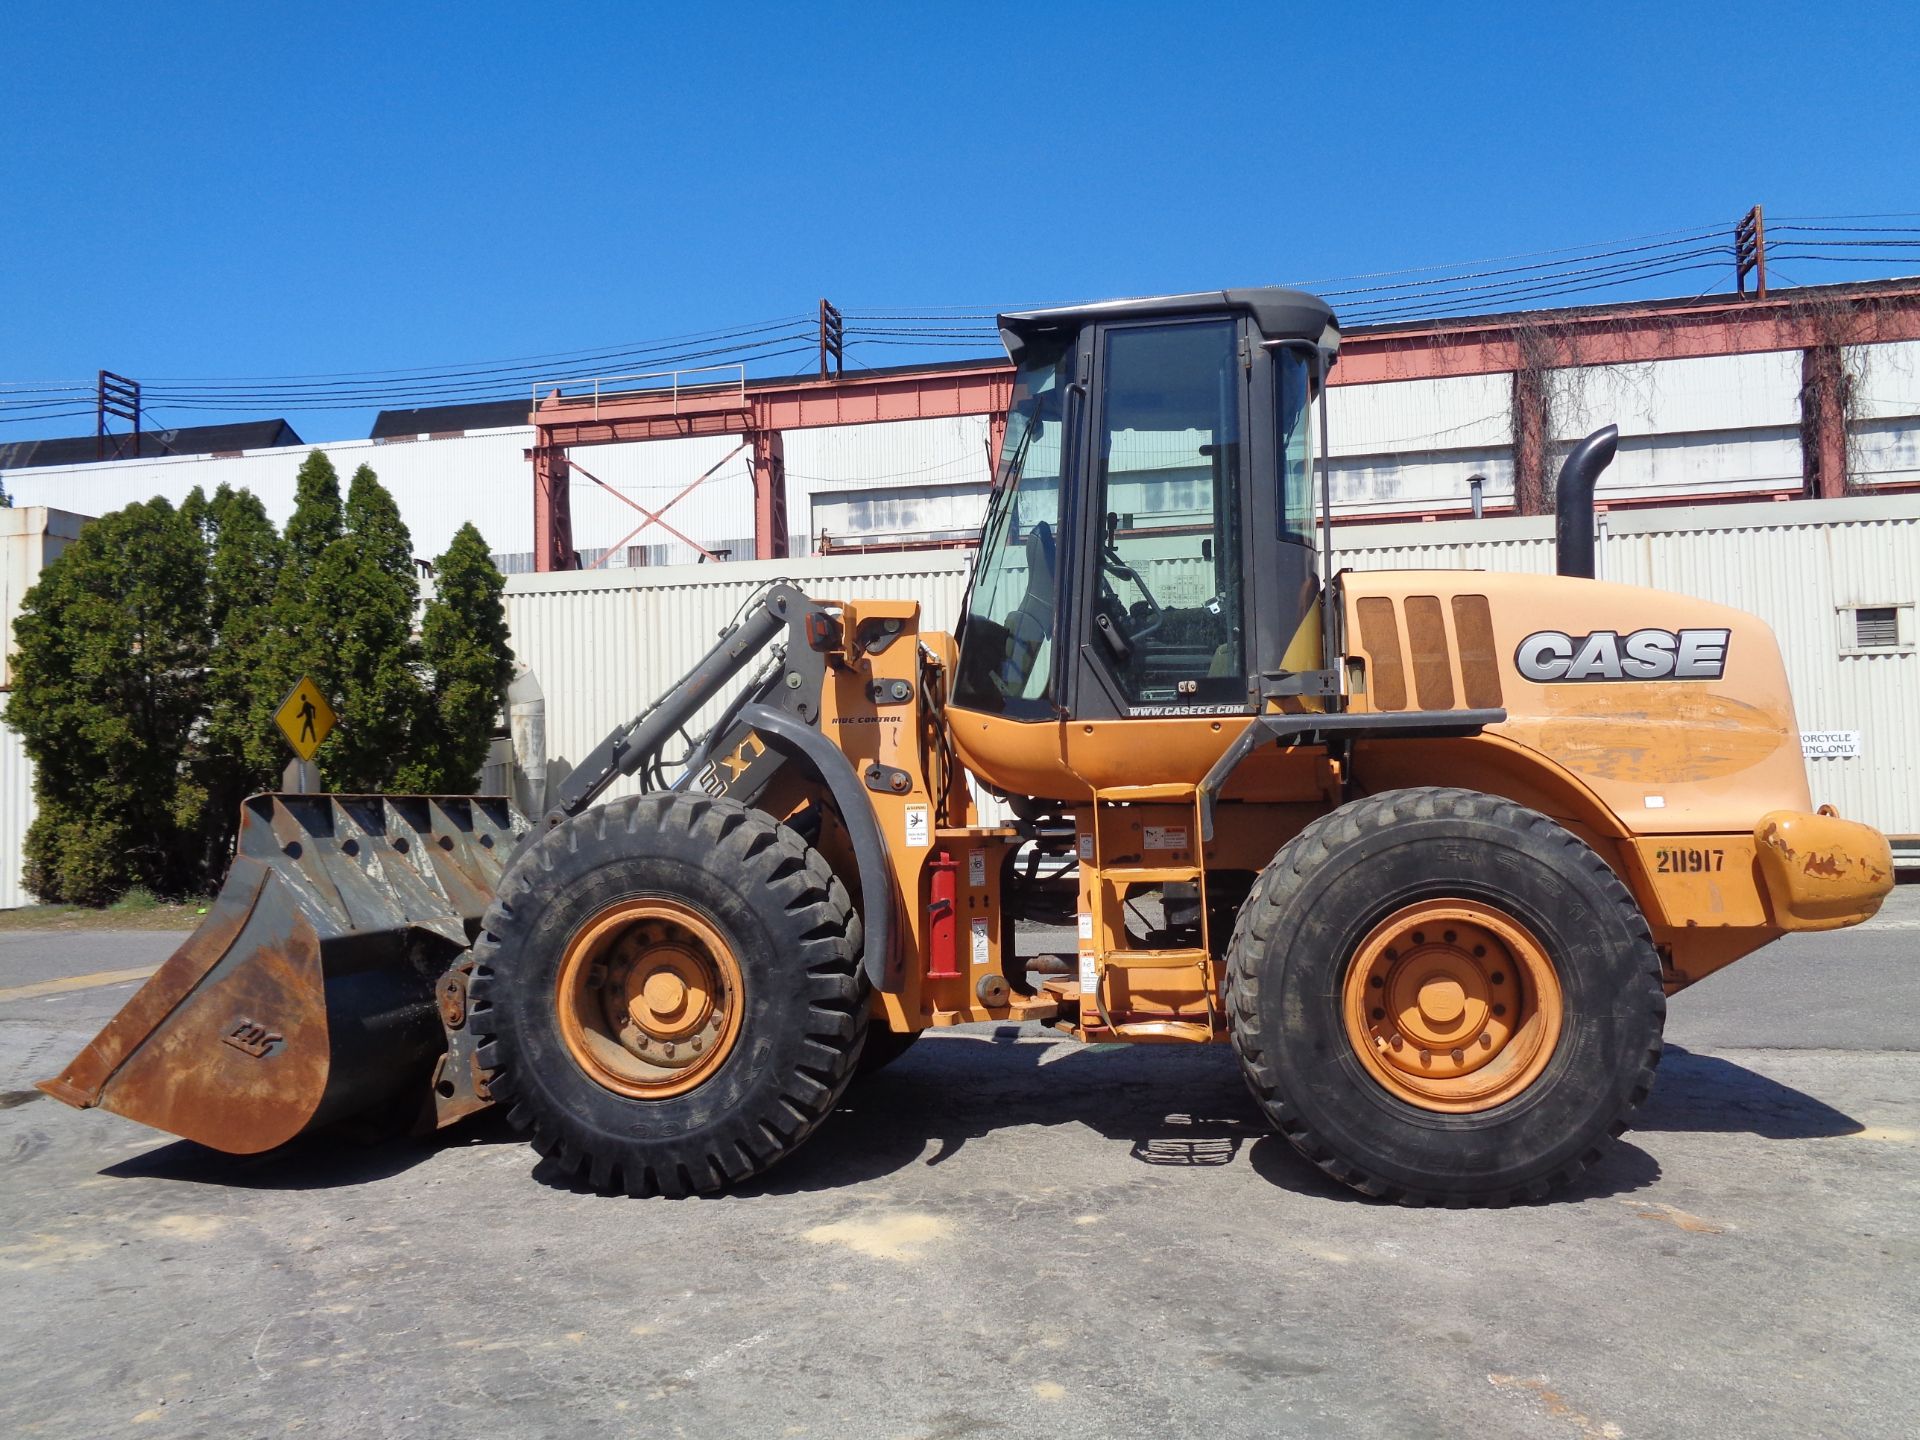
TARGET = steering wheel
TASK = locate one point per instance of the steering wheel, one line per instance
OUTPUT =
(1145, 615)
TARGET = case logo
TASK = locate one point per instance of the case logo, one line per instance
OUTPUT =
(1554, 655)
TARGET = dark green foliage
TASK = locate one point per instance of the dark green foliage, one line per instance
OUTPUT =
(240, 750)
(358, 641)
(108, 686)
(463, 642)
(317, 520)
(155, 651)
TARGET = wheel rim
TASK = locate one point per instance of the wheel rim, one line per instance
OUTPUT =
(649, 998)
(1453, 1006)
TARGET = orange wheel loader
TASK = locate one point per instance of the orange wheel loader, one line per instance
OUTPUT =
(1429, 848)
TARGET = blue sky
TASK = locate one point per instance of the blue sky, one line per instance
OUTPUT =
(260, 191)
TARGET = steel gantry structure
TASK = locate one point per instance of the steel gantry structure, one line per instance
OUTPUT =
(1817, 321)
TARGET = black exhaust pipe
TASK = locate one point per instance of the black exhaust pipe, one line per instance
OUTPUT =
(1573, 502)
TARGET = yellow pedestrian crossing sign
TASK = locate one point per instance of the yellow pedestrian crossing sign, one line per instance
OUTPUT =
(305, 718)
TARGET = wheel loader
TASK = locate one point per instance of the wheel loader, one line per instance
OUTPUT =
(1430, 849)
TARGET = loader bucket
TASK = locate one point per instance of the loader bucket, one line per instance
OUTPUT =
(307, 996)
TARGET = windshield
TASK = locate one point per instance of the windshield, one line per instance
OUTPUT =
(1006, 632)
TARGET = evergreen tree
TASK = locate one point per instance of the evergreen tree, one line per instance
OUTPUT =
(359, 640)
(463, 642)
(241, 750)
(317, 520)
(108, 686)
(289, 648)
(373, 519)
(196, 511)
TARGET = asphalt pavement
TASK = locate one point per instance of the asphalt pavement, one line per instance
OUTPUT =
(1004, 1233)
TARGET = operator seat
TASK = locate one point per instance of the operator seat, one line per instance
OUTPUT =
(1030, 626)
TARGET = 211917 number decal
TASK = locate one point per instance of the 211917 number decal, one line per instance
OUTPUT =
(1689, 862)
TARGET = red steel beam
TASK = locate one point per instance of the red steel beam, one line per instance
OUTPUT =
(1634, 334)
(763, 407)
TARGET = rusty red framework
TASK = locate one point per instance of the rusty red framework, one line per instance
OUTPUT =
(1813, 320)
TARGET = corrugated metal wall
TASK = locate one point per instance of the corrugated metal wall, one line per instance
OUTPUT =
(605, 644)
(16, 814)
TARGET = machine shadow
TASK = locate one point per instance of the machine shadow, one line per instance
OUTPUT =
(325, 1160)
(1706, 1094)
(1173, 1107)
(955, 1087)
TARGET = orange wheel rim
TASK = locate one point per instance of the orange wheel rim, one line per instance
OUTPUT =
(1452, 1006)
(649, 998)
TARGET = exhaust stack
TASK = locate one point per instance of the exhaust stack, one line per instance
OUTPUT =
(1573, 502)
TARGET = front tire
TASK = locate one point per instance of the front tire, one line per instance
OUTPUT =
(1441, 997)
(667, 993)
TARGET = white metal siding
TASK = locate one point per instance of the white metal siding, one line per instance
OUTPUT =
(604, 645)
(16, 814)
(1455, 412)
(31, 537)
(1794, 571)
(1680, 397)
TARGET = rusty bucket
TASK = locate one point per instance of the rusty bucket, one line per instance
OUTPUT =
(308, 994)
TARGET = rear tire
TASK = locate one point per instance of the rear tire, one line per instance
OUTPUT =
(1364, 977)
(641, 932)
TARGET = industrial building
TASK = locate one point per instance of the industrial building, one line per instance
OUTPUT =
(1813, 392)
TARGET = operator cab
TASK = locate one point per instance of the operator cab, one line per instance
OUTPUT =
(1149, 545)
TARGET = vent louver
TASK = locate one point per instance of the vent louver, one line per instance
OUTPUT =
(1876, 627)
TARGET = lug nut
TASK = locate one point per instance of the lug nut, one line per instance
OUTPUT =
(1486, 1041)
(1459, 1055)
(1449, 937)
(1499, 1009)
(1499, 977)
(1426, 1057)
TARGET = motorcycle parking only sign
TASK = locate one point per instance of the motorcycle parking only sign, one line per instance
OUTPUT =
(1829, 744)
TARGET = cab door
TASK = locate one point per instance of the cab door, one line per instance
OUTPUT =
(1190, 568)
(1161, 599)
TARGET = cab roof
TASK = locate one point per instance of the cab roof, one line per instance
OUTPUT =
(1278, 314)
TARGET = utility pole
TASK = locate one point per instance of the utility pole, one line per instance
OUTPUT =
(115, 397)
(832, 340)
(1750, 253)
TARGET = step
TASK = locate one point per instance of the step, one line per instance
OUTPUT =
(1133, 794)
(1154, 959)
(1188, 1032)
(1150, 874)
